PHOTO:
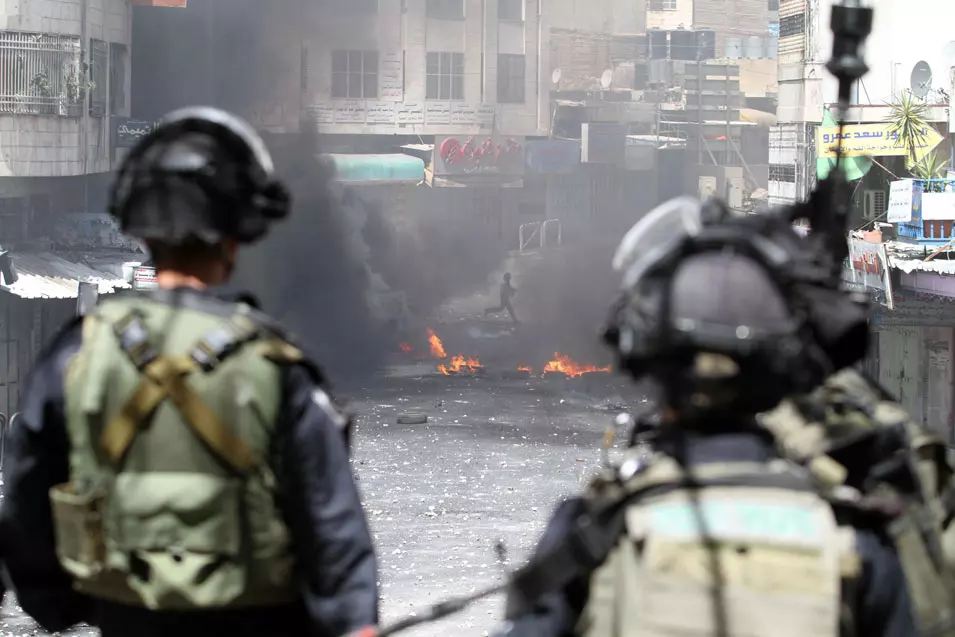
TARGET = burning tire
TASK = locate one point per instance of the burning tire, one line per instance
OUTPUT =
(412, 419)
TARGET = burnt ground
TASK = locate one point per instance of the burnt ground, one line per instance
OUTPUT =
(495, 457)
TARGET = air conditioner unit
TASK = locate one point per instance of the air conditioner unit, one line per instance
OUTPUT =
(873, 207)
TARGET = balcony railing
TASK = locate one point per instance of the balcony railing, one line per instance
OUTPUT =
(928, 231)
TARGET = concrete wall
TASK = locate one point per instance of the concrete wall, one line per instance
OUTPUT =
(670, 19)
(615, 17)
(68, 144)
(403, 40)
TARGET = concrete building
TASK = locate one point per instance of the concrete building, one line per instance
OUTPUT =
(64, 81)
(427, 67)
(54, 111)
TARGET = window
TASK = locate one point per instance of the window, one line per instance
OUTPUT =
(782, 172)
(446, 9)
(445, 74)
(512, 10)
(663, 5)
(510, 78)
(355, 74)
(99, 80)
(39, 73)
(117, 78)
(773, 5)
(792, 25)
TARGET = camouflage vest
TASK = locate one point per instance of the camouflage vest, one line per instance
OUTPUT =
(750, 550)
(171, 502)
(831, 432)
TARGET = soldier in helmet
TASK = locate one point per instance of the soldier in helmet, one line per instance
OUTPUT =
(717, 533)
(178, 467)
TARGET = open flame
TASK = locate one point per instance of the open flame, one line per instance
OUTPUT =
(437, 347)
(525, 368)
(564, 364)
(458, 362)
(405, 347)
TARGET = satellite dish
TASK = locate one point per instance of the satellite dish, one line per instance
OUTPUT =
(555, 76)
(921, 80)
(606, 79)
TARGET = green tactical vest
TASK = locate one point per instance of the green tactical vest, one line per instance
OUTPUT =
(846, 408)
(171, 502)
(751, 550)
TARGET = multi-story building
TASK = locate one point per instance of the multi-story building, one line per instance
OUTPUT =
(64, 77)
(914, 316)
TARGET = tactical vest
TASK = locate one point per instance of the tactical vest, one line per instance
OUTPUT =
(171, 504)
(749, 550)
(917, 477)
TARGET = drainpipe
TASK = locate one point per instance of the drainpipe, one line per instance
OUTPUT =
(540, 67)
(86, 62)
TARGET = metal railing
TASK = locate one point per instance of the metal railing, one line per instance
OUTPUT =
(547, 233)
(928, 231)
(40, 74)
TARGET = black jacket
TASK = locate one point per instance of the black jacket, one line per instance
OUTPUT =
(318, 496)
(885, 609)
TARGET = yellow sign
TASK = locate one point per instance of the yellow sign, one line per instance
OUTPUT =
(872, 140)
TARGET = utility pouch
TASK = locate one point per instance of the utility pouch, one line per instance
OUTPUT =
(78, 525)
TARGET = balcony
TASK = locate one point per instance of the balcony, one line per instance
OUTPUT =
(935, 199)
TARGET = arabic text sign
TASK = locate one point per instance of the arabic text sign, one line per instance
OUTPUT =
(869, 263)
(900, 200)
(875, 140)
(938, 206)
(127, 132)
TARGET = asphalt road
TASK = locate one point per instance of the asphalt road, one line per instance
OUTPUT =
(494, 459)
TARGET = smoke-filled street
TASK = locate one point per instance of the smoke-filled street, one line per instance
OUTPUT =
(491, 462)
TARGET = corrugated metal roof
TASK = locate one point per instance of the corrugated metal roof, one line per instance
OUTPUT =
(44, 275)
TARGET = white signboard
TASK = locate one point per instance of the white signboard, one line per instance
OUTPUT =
(144, 278)
(350, 112)
(380, 112)
(938, 206)
(900, 200)
(486, 114)
(410, 113)
(390, 77)
(322, 113)
(437, 112)
(463, 114)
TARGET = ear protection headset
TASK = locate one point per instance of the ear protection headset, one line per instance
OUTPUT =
(239, 179)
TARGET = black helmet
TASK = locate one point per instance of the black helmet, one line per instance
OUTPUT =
(201, 174)
(701, 287)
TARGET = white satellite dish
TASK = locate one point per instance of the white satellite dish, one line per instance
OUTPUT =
(555, 76)
(921, 79)
(606, 79)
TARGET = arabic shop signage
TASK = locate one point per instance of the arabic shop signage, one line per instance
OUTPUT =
(873, 140)
(552, 156)
(478, 154)
(144, 278)
(127, 132)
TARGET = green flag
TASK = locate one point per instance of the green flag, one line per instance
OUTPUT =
(854, 167)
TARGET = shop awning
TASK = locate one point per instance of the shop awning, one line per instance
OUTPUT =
(380, 169)
(42, 275)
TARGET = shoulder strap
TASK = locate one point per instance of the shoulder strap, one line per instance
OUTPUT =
(165, 377)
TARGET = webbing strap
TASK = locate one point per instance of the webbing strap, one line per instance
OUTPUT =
(219, 343)
(165, 377)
